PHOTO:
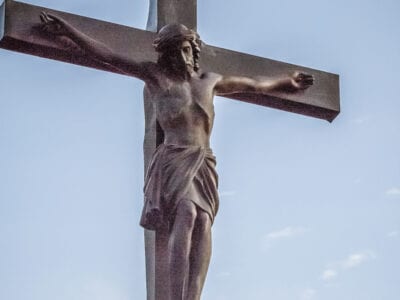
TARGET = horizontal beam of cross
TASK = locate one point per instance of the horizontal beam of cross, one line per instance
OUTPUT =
(320, 101)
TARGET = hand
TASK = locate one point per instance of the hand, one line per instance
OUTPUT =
(302, 81)
(53, 24)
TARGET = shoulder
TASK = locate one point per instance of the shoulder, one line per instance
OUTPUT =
(151, 72)
(211, 76)
(150, 67)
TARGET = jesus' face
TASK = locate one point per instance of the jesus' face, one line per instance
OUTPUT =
(187, 55)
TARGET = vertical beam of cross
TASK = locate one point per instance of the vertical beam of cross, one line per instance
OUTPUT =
(161, 12)
(2, 18)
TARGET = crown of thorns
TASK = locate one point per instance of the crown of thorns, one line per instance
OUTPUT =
(173, 34)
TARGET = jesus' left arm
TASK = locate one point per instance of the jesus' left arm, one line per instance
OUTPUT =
(237, 84)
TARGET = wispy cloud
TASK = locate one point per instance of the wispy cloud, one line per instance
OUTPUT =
(356, 259)
(351, 261)
(394, 191)
(392, 234)
(102, 290)
(224, 274)
(329, 274)
(227, 193)
(360, 120)
(308, 294)
(286, 232)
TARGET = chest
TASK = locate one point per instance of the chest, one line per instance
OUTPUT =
(173, 98)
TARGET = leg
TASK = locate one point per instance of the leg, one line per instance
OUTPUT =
(179, 246)
(200, 255)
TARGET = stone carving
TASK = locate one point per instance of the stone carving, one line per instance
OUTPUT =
(181, 181)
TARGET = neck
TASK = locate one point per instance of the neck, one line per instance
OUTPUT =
(180, 73)
(186, 75)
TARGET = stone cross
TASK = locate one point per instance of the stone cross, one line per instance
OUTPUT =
(20, 31)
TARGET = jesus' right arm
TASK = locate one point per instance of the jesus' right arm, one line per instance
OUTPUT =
(95, 49)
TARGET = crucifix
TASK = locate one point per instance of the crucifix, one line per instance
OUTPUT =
(180, 85)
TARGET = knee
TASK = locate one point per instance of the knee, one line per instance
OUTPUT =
(186, 213)
(203, 222)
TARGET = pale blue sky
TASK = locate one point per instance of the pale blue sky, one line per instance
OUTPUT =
(309, 210)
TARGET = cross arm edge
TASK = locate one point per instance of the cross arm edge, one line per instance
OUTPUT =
(287, 105)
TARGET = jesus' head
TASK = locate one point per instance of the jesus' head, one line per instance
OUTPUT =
(178, 48)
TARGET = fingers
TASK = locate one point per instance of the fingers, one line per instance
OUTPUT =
(303, 76)
(52, 17)
(52, 24)
(308, 80)
(44, 17)
(47, 22)
(48, 17)
(304, 79)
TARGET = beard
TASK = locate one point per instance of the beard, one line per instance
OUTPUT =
(175, 64)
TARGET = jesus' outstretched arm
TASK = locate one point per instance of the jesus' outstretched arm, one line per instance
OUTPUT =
(236, 84)
(58, 26)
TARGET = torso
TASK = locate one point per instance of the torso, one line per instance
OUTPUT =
(184, 108)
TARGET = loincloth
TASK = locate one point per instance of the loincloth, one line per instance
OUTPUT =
(179, 173)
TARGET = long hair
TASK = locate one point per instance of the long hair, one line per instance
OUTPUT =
(168, 43)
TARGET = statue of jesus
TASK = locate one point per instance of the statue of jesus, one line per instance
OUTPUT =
(181, 181)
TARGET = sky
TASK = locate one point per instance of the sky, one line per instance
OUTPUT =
(309, 210)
